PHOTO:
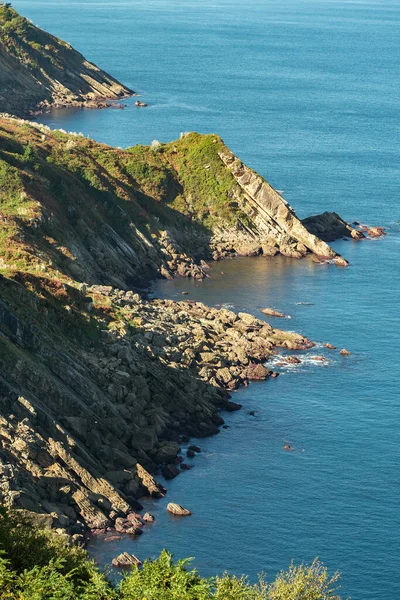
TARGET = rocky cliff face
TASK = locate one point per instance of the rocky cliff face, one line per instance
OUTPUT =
(38, 70)
(97, 384)
(277, 228)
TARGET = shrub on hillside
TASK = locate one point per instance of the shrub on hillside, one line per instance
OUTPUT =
(39, 565)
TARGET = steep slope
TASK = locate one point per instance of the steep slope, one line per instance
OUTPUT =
(115, 217)
(97, 383)
(38, 70)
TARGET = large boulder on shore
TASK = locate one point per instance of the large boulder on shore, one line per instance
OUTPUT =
(257, 371)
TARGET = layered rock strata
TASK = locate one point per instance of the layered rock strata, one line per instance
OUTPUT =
(83, 428)
(97, 384)
(277, 226)
(39, 71)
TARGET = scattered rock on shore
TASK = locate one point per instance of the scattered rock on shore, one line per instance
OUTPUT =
(293, 360)
(148, 517)
(257, 372)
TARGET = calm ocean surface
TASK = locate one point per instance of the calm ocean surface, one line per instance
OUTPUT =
(306, 92)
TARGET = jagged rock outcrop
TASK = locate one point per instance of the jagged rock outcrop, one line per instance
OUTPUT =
(125, 560)
(38, 71)
(107, 216)
(330, 227)
(277, 226)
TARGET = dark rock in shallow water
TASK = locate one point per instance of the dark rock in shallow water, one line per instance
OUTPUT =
(329, 227)
(232, 406)
(169, 471)
(195, 448)
(185, 467)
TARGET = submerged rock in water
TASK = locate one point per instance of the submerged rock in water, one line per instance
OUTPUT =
(232, 406)
(195, 448)
(344, 352)
(177, 509)
(271, 312)
(170, 471)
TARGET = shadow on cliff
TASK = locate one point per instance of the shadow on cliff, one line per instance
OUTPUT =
(99, 236)
(53, 390)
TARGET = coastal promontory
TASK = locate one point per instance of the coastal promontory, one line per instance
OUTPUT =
(98, 383)
(39, 71)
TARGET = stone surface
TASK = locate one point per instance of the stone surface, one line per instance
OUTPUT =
(270, 312)
(330, 227)
(177, 509)
(276, 221)
(125, 560)
(67, 79)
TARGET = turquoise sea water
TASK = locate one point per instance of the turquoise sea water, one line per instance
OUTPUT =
(307, 93)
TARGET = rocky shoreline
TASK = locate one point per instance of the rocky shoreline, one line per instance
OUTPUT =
(168, 376)
(99, 103)
(98, 384)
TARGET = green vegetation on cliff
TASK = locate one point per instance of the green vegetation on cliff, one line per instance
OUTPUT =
(38, 565)
(97, 384)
